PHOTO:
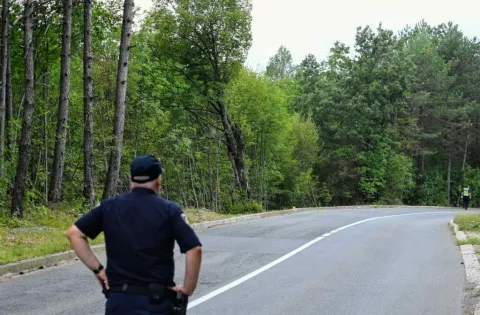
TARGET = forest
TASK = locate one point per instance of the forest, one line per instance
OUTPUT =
(85, 86)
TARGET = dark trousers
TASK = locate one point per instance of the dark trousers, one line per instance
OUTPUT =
(466, 202)
(132, 304)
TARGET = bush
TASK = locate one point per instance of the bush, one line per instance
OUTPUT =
(472, 176)
(433, 192)
(400, 179)
(6, 221)
(244, 207)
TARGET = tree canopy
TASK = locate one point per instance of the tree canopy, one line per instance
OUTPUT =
(394, 119)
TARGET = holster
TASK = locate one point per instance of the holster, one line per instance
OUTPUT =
(178, 299)
(105, 291)
(180, 304)
(157, 293)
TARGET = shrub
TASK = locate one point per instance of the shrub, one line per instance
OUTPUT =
(244, 207)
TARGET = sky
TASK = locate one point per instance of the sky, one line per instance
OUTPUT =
(312, 26)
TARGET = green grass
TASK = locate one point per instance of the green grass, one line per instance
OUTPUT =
(468, 222)
(469, 240)
(36, 235)
(452, 229)
(197, 216)
(44, 233)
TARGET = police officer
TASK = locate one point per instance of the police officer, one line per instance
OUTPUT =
(140, 230)
(467, 196)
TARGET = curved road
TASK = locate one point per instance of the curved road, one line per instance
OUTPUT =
(335, 262)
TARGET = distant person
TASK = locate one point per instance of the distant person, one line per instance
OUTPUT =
(467, 196)
(140, 231)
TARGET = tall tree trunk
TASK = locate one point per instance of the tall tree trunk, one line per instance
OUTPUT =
(312, 194)
(257, 167)
(137, 140)
(9, 104)
(465, 151)
(210, 177)
(182, 188)
(46, 98)
(3, 80)
(264, 167)
(45, 143)
(18, 192)
(464, 162)
(61, 133)
(449, 173)
(192, 182)
(88, 174)
(202, 181)
(239, 158)
(121, 91)
(235, 149)
(217, 181)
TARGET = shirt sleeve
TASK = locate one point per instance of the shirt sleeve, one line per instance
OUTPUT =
(91, 224)
(183, 232)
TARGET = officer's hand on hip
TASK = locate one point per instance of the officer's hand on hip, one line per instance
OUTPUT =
(102, 279)
(183, 290)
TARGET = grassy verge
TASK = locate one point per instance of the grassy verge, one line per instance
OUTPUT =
(468, 222)
(197, 216)
(44, 233)
(36, 235)
(452, 229)
(469, 240)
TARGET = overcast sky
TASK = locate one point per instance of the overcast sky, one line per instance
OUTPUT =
(312, 26)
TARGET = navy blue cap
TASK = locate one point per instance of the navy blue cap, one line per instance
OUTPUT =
(145, 168)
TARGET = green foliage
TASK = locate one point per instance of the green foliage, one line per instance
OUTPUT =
(378, 122)
(400, 179)
(280, 66)
(373, 171)
(183, 32)
(12, 222)
(472, 176)
(244, 207)
(433, 190)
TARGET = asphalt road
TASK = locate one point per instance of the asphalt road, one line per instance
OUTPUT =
(405, 264)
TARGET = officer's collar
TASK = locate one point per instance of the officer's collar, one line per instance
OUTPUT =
(143, 190)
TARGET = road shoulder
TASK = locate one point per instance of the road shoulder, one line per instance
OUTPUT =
(56, 259)
(39, 263)
(471, 303)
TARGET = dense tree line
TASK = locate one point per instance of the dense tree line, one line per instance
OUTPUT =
(87, 86)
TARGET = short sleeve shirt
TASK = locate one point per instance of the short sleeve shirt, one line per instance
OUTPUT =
(140, 230)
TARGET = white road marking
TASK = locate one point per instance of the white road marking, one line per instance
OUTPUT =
(292, 253)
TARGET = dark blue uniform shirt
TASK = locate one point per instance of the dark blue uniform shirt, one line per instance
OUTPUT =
(140, 230)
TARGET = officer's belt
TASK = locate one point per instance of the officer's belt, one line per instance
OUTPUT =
(160, 291)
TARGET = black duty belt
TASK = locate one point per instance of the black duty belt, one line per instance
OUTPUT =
(156, 293)
(153, 290)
